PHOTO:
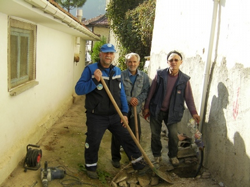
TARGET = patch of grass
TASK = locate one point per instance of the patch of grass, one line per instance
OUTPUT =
(82, 167)
(104, 177)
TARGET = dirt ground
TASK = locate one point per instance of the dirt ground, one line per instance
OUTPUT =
(63, 147)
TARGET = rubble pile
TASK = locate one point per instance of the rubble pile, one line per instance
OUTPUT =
(128, 177)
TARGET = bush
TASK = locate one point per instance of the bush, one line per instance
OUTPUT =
(132, 21)
(96, 50)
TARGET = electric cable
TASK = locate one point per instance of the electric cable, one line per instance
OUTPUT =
(74, 181)
(200, 164)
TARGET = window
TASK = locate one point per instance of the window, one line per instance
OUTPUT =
(21, 56)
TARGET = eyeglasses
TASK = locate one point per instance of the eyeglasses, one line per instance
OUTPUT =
(176, 60)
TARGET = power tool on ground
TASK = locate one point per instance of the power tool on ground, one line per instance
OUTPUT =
(50, 173)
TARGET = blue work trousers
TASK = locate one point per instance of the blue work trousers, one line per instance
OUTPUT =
(96, 127)
(156, 145)
(115, 144)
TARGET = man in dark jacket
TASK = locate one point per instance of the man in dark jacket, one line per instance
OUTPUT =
(100, 112)
(165, 102)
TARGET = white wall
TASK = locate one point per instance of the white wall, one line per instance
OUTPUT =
(185, 26)
(24, 118)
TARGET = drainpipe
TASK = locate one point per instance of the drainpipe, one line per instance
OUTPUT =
(208, 64)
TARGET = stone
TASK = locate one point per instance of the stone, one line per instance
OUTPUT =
(221, 184)
(169, 167)
(130, 170)
(123, 184)
(133, 185)
(190, 160)
(205, 175)
(113, 184)
(154, 181)
(144, 180)
(121, 177)
(132, 180)
(186, 152)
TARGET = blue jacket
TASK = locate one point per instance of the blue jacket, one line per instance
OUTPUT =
(176, 105)
(139, 90)
(97, 100)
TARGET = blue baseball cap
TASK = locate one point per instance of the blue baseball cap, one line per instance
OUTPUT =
(108, 48)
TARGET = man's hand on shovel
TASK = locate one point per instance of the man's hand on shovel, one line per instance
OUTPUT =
(123, 124)
(133, 101)
(98, 75)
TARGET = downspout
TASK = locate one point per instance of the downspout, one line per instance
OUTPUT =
(208, 64)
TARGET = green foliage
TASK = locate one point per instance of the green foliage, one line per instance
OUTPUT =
(81, 167)
(103, 176)
(121, 62)
(70, 4)
(96, 50)
(132, 21)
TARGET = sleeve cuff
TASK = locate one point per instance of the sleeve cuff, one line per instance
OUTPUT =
(125, 114)
(95, 81)
(193, 112)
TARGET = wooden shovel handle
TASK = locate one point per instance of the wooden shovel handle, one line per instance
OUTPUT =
(127, 126)
(136, 123)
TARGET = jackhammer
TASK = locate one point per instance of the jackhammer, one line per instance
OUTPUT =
(50, 173)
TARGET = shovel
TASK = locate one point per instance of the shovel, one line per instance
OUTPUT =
(136, 123)
(162, 175)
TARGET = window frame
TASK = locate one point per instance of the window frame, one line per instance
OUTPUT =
(20, 29)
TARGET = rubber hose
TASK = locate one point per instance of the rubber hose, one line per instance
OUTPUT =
(200, 165)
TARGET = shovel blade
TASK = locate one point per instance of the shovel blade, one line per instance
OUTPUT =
(165, 176)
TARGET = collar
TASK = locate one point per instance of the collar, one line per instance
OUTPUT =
(137, 73)
(102, 68)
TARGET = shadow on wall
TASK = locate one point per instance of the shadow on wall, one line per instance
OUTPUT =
(225, 160)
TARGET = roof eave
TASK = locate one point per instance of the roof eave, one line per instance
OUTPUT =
(44, 13)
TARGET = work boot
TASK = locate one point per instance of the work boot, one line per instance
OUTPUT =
(116, 164)
(157, 162)
(92, 174)
(145, 170)
(174, 161)
(158, 159)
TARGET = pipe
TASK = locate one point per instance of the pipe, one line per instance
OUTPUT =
(208, 64)
(79, 14)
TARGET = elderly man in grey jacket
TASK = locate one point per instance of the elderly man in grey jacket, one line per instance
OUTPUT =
(136, 85)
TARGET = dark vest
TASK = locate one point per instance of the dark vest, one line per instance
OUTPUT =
(98, 101)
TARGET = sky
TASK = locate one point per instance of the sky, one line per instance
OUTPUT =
(92, 8)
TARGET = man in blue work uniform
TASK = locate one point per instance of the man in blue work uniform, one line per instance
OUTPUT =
(100, 112)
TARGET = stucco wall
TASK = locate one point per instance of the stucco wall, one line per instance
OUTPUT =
(26, 117)
(186, 26)
(103, 32)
